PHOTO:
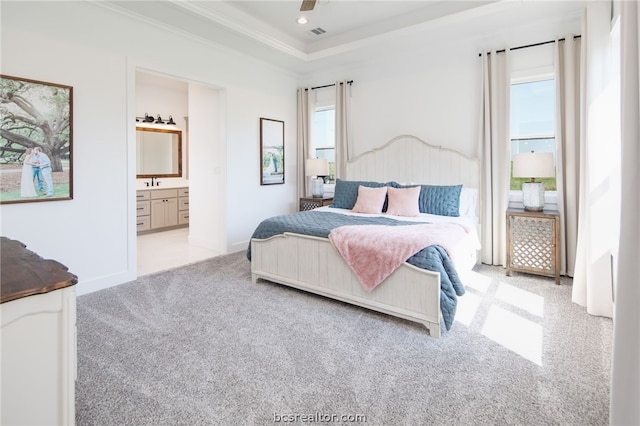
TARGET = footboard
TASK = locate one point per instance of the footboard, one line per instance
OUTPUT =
(312, 264)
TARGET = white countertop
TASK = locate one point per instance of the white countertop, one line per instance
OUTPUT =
(165, 183)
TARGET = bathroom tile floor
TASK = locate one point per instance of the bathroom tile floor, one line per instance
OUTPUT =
(160, 251)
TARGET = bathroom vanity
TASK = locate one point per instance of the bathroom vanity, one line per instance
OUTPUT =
(160, 204)
(161, 209)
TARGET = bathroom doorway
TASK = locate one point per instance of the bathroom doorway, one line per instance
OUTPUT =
(161, 96)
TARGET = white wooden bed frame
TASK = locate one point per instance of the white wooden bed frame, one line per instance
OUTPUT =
(312, 264)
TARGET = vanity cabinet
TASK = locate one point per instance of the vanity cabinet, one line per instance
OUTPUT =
(183, 206)
(143, 211)
(162, 209)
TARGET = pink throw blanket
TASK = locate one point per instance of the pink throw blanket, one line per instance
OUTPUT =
(373, 252)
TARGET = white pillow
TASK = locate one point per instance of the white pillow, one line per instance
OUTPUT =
(468, 200)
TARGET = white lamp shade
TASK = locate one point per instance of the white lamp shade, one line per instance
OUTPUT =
(316, 167)
(533, 165)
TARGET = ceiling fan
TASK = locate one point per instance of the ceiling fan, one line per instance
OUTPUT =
(307, 5)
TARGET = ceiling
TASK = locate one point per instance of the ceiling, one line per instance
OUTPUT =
(344, 21)
(268, 29)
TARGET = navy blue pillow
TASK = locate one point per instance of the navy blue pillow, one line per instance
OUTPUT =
(443, 200)
(346, 192)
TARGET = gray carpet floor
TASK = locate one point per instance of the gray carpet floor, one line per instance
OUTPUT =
(202, 345)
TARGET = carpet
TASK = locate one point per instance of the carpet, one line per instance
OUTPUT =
(202, 345)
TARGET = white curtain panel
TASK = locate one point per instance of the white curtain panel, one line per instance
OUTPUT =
(567, 74)
(625, 384)
(343, 127)
(495, 152)
(598, 202)
(305, 109)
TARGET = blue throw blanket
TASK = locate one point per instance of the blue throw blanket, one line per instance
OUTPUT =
(319, 224)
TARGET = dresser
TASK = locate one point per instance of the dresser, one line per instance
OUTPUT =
(161, 209)
(38, 335)
(533, 242)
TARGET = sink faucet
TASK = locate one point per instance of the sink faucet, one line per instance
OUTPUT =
(152, 178)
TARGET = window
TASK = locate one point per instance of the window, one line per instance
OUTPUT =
(325, 138)
(533, 123)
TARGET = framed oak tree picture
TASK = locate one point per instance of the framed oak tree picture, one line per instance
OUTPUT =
(36, 140)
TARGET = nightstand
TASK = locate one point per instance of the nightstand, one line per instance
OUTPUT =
(533, 242)
(310, 203)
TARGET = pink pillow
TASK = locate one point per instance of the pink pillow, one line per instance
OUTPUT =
(370, 200)
(403, 201)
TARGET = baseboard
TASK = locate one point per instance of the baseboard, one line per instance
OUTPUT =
(236, 247)
(91, 286)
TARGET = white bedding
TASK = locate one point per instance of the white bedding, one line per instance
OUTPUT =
(464, 255)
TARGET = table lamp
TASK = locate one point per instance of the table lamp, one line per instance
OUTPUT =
(533, 165)
(317, 168)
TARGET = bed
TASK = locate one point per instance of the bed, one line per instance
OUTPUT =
(309, 261)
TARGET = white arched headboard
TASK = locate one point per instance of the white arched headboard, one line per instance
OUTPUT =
(406, 159)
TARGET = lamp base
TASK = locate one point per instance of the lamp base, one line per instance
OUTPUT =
(317, 187)
(533, 196)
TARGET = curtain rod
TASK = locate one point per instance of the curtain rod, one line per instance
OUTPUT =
(329, 85)
(530, 45)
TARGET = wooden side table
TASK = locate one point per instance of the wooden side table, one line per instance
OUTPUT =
(310, 203)
(533, 242)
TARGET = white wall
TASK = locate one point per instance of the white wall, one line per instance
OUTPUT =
(97, 52)
(207, 158)
(157, 95)
(247, 200)
(431, 94)
(88, 233)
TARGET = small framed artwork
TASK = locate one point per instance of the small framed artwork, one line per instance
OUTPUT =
(36, 140)
(271, 151)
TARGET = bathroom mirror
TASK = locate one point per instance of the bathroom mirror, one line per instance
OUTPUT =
(158, 152)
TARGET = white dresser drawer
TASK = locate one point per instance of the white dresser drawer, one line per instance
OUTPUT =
(183, 204)
(158, 194)
(183, 217)
(143, 195)
(143, 208)
(143, 223)
(183, 192)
